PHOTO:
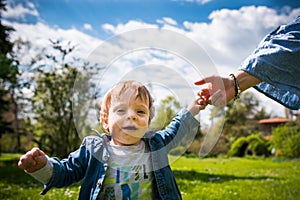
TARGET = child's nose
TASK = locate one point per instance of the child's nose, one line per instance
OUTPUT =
(131, 114)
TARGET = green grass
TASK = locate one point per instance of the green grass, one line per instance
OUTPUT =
(210, 178)
(16, 184)
(238, 178)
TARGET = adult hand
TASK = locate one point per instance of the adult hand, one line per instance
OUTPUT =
(33, 160)
(219, 90)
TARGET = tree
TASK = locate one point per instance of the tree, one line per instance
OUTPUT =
(242, 116)
(52, 108)
(286, 139)
(8, 81)
(166, 112)
(52, 102)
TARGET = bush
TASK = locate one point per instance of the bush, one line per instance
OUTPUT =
(254, 144)
(239, 147)
(258, 146)
(286, 139)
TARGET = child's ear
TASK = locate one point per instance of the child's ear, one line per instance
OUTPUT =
(104, 122)
(105, 126)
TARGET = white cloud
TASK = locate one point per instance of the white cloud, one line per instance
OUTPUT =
(228, 38)
(87, 27)
(167, 20)
(195, 1)
(233, 34)
(39, 35)
(203, 1)
(20, 11)
(129, 26)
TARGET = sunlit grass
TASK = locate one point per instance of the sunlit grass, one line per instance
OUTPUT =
(237, 178)
(210, 178)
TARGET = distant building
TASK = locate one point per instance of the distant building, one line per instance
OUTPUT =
(267, 125)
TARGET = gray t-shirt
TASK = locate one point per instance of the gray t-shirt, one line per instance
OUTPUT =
(129, 174)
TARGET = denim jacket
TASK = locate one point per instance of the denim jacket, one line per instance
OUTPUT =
(276, 61)
(90, 161)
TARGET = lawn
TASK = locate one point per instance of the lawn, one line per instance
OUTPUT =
(238, 178)
(210, 178)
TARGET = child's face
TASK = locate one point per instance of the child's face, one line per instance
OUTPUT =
(128, 119)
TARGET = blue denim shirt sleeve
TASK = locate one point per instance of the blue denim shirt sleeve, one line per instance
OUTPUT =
(183, 127)
(87, 163)
(276, 61)
(68, 171)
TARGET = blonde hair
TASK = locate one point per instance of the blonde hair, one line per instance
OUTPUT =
(120, 88)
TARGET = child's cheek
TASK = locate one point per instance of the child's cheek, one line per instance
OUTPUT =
(144, 122)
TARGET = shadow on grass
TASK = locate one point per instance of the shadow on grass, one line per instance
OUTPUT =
(218, 178)
(11, 174)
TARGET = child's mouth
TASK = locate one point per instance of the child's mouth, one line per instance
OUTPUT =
(131, 128)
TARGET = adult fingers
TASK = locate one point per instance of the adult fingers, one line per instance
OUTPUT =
(205, 80)
(200, 82)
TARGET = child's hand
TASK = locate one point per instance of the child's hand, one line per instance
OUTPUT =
(202, 103)
(33, 160)
(197, 105)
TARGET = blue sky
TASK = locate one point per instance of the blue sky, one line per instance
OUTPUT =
(77, 13)
(227, 30)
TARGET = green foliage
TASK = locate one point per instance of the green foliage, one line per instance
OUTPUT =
(258, 146)
(8, 81)
(166, 112)
(54, 102)
(52, 106)
(286, 139)
(50, 109)
(239, 147)
(254, 144)
(241, 121)
(242, 116)
(6, 46)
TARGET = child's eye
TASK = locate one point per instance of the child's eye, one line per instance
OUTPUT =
(141, 112)
(121, 110)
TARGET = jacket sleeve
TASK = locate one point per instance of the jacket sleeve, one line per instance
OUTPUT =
(183, 127)
(69, 170)
(276, 61)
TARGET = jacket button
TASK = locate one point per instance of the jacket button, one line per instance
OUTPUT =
(105, 158)
(98, 184)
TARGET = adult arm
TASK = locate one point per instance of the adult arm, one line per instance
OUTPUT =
(273, 69)
(276, 61)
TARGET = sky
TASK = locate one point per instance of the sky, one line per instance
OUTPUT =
(224, 32)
